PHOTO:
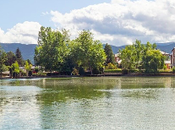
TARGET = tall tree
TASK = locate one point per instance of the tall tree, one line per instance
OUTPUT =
(2, 60)
(140, 56)
(87, 52)
(152, 61)
(11, 58)
(51, 49)
(19, 58)
(28, 60)
(127, 55)
(109, 54)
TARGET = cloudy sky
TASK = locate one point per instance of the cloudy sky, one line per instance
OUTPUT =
(117, 22)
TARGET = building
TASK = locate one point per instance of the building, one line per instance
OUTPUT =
(167, 60)
(172, 55)
(117, 59)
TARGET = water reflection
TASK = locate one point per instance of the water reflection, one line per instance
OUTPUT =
(74, 89)
(124, 103)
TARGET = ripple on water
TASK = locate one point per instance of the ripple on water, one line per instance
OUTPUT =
(78, 107)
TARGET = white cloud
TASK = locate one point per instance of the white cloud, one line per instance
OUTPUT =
(26, 33)
(123, 21)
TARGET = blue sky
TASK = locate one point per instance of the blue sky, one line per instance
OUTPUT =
(18, 11)
(117, 22)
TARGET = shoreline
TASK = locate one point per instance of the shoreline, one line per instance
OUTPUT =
(101, 75)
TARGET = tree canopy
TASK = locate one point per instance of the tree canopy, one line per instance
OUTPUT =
(11, 58)
(109, 53)
(88, 53)
(55, 51)
(51, 49)
(3, 57)
(142, 56)
(19, 58)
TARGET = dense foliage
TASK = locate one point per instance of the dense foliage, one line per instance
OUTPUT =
(51, 50)
(2, 60)
(55, 52)
(109, 53)
(19, 58)
(12, 62)
(142, 56)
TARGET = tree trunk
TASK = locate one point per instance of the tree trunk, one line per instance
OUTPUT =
(27, 73)
(91, 70)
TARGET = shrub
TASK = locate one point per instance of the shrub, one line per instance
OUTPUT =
(23, 73)
(111, 66)
(164, 67)
(173, 69)
(97, 70)
(75, 71)
(112, 70)
(36, 69)
(40, 73)
(133, 70)
(164, 71)
(125, 71)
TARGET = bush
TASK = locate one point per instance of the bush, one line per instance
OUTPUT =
(97, 70)
(125, 71)
(133, 70)
(23, 73)
(40, 73)
(164, 67)
(36, 69)
(164, 71)
(173, 69)
(111, 66)
(112, 70)
(75, 71)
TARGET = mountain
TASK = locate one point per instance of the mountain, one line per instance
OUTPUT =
(115, 49)
(166, 47)
(27, 51)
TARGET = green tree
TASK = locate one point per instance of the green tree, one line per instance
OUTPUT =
(109, 53)
(152, 61)
(131, 55)
(51, 50)
(11, 58)
(19, 58)
(28, 67)
(88, 53)
(140, 56)
(127, 55)
(15, 69)
(28, 60)
(2, 60)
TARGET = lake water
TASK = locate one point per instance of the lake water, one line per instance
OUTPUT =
(96, 103)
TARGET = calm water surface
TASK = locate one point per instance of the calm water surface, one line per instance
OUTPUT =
(99, 103)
